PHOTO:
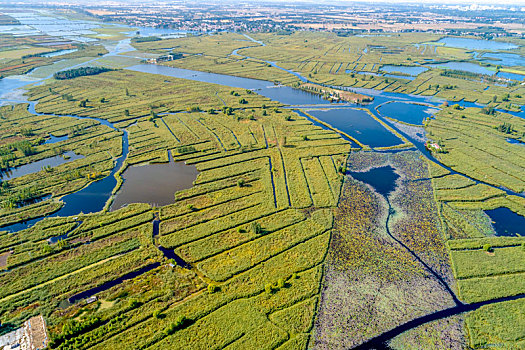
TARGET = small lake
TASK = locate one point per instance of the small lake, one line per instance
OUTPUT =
(9, 84)
(382, 179)
(154, 184)
(515, 142)
(407, 112)
(410, 70)
(55, 139)
(358, 124)
(476, 44)
(58, 53)
(506, 222)
(503, 59)
(35, 167)
(464, 66)
(512, 76)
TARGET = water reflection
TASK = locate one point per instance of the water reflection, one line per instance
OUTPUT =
(155, 184)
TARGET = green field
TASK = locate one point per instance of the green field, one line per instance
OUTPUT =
(281, 247)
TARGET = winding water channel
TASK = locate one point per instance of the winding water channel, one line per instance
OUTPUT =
(94, 197)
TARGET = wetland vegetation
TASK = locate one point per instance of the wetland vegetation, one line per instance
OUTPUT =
(290, 190)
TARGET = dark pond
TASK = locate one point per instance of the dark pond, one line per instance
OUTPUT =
(37, 166)
(154, 183)
(314, 122)
(170, 254)
(382, 179)
(476, 44)
(407, 112)
(358, 124)
(33, 200)
(105, 286)
(506, 222)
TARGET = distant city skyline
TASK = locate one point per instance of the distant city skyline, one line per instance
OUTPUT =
(491, 3)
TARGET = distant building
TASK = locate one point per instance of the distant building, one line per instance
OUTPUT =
(163, 58)
(31, 336)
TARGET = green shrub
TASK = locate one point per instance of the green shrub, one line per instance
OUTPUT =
(180, 322)
(212, 288)
(256, 228)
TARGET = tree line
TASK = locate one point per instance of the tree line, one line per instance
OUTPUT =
(80, 72)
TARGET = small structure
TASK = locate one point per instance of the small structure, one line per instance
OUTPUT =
(433, 146)
(31, 336)
(163, 58)
(91, 300)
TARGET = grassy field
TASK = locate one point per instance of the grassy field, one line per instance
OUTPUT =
(280, 250)
(20, 55)
(485, 266)
(497, 326)
(255, 226)
(23, 141)
(352, 61)
(476, 145)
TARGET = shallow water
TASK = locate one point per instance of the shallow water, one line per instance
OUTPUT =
(283, 94)
(503, 59)
(515, 142)
(90, 199)
(93, 197)
(55, 139)
(407, 112)
(476, 44)
(52, 25)
(35, 167)
(112, 283)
